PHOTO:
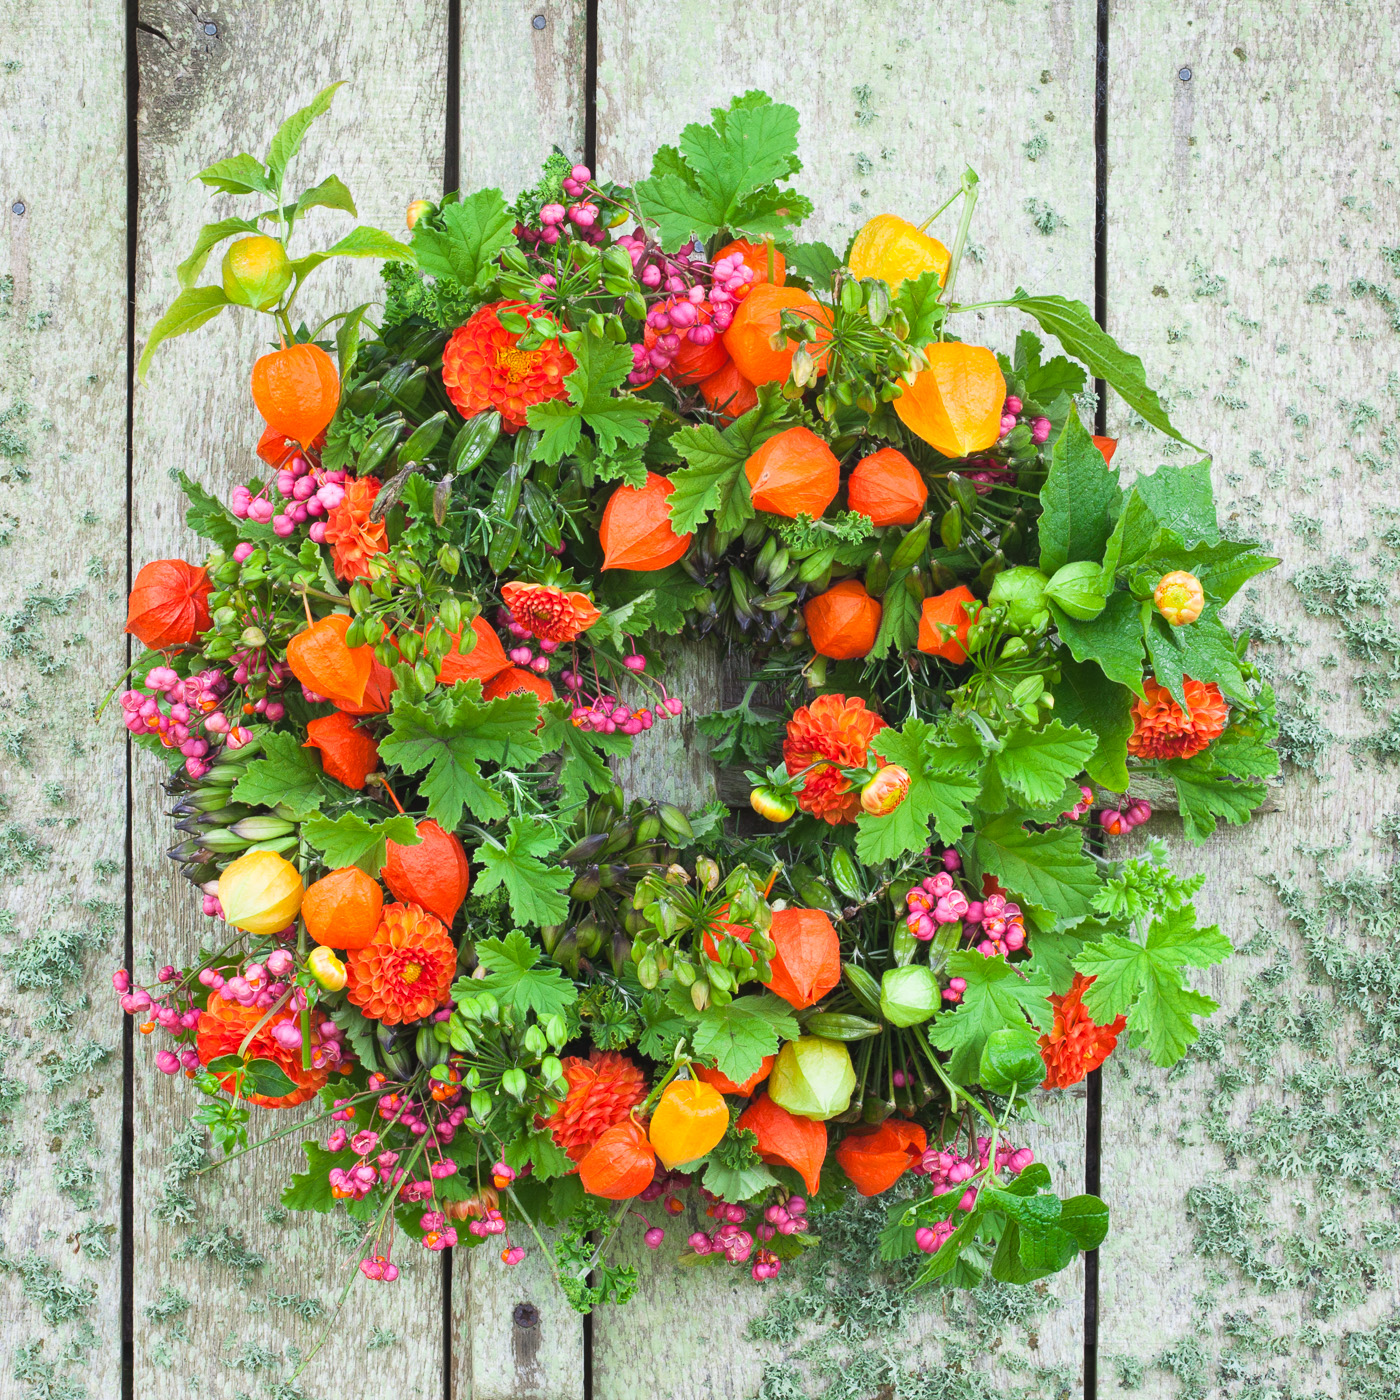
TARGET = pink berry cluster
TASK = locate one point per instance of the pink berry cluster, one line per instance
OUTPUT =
(579, 218)
(1119, 823)
(933, 902)
(1086, 800)
(191, 714)
(170, 1008)
(308, 495)
(1011, 415)
(737, 1244)
(691, 312)
(946, 1171)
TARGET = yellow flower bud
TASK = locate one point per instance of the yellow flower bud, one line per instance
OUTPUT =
(1179, 597)
(260, 892)
(326, 968)
(418, 208)
(885, 791)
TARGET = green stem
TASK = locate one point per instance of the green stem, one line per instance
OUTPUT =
(940, 209)
(304, 1126)
(969, 194)
(961, 1093)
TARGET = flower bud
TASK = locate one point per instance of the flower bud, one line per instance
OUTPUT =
(772, 804)
(419, 209)
(812, 1078)
(885, 791)
(260, 892)
(326, 968)
(1179, 597)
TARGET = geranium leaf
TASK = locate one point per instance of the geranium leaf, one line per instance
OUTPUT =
(738, 1035)
(1048, 868)
(475, 230)
(616, 420)
(513, 978)
(536, 891)
(997, 996)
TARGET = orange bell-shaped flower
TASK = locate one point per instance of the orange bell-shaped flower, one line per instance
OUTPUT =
(348, 754)
(807, 964)
(887, 487)
(946, 610)
(843, 622)
(636, 532)
(297, 391)
(955, 404)
(690, 1118)
(169, 604)
(726, 1085)
(434, 874)
(485, 660)
(728, 393)
(620, 1165)
(793, 473)
(322, 662)
(516, 680)
(757, 256)
(784, 1138)
(875, 1158)
(692, 362)
(758, 317)
(342, 909)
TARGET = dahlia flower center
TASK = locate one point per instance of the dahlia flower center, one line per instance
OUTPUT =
(412, 972)
(516, 363)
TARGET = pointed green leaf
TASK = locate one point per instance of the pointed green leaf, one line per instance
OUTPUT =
(1079, 500)
(190, 310)
(293, 131)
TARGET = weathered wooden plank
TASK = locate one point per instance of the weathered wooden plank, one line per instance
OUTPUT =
(213, 84)
(63, 778)
(1251, 193)
(893, 104)
(522, 66)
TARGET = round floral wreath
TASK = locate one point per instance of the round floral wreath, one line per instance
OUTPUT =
(588, 421)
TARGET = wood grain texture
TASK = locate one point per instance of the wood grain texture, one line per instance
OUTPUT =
(62, 607)
(894, 101)
(1251, 165)
(514, 1334)
(213, 84)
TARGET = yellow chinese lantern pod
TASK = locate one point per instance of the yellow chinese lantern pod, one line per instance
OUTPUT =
(813, 1078)
(955, 404)
(260, 892)
(891, 248)
(690, 1118)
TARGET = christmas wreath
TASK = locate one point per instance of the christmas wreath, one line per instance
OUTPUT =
(589, 430)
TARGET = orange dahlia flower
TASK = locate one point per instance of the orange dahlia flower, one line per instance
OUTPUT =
(839, 730)
(221, 1029)
(1162, 729)
(603, 1090)
(1075, 1044)
(406, 972)
(353, 537)
(483, 367)
(549, 613)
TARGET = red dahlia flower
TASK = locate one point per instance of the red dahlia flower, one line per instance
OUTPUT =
(353, 537)
(483, 367)
(839, 730)
(1162, 729)
(406, 972)
(1076, 1044)
(549, 613)
(603, 1090)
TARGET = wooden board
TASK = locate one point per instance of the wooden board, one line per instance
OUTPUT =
(893, 104)
(1251, 181)
(212, 84)
(62, 596)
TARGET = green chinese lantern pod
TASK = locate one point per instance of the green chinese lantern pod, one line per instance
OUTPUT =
(1021, 591)
(1078, 589)
(909, 995)
(813, 1078)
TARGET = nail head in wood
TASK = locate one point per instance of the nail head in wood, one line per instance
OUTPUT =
(526, 1315)
(539, 22)
(1184, 74)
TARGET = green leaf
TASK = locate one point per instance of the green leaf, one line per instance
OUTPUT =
(1053, 953)
(1203, 795)
(615, 421)
(585, 753)
(713, 482)
(814, 261)
(311, 1189)
(475, 231)
(737, 1036)
(1182, 500)
(263, 1077)
(514, 980)
(1112, 641)
(1048, 868)
(1203, 650)
(362, 242)
(450, 736)
(899, 618)
(287, 773)
(351, 840)
(331, 193)
(347, 345)
(997, 997)
(536, 890)
(1038, 762)
(190, 310)
(1073, 325)
(1085, 1218)
(293, 131)
(917, 297)
(736, 1184)
(1079, 500)
(240, 174)
(210, 236)
(1044, 383)
(539, 1148)
(1086, 698)
(359, 1030)
(1143, 982)
(942, 786)
(208, 516)
(743, 734)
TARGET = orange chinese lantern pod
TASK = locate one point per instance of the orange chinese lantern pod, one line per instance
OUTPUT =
(843, 622)
(620, 1165)
(756, 256)
(728, 393)
(260, 893)
(787, 1140)
(297, 391)
(955, 404)
(726, 1085)
(946, 610)
(348, 754)
(757, 318)
(517, 680)
(807, 964)
(1108, 446)
(875, 1158)
(379, 692)
(274, 448)
(169, 604)
(887, 487)
(342, 909)
(485, 660)
(891, 248)
(793, 473)
(690, 1118)
(692, 362)
(433, 874)
(322, 662)
(636, 532)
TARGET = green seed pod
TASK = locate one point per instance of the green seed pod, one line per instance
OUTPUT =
(877, 576)
(813, 1078)
(1021, 591)
(911, 547)
(1077, 589)
(473, 441)
(832, 1025)
(843, 872)
(863, 985)
(421, 441)
(950, 528)
(909, 995)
